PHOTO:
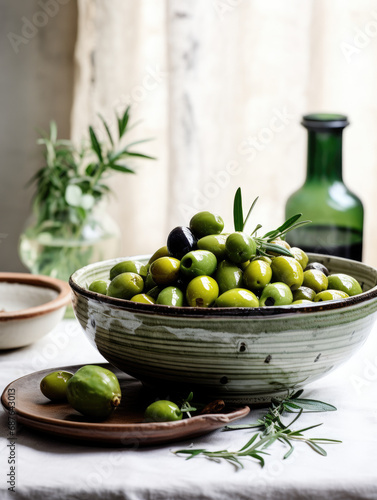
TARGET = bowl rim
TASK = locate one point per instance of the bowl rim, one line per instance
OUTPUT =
(221, 312)
(61, 300)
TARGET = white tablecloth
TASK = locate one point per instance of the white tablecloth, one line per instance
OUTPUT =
(51, 469)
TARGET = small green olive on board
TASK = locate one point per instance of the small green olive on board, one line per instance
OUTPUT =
(228, 275)
(288, 270)
(202, 291)
(206, 223)
(162, 411)
(345, 283)
(125, 286)
(276, 294)
(94, 391)
(316, 280)
(237, 297)
(54, 385)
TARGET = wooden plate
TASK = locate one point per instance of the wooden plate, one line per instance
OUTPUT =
(125, 427)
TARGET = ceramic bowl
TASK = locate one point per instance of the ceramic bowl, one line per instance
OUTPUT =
(30, 307)
(241, 355)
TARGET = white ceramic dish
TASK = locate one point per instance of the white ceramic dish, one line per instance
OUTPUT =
(30, 307)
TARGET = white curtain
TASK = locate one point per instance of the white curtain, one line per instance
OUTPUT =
(221, 86)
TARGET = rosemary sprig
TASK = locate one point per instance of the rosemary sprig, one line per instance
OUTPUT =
(265, 243)
(186, 406)
(271, 429)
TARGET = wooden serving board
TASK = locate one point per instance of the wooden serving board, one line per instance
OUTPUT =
(125, 427)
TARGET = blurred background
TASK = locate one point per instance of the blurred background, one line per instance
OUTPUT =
(220, 85)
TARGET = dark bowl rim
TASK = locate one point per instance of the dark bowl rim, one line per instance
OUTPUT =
(225, 312)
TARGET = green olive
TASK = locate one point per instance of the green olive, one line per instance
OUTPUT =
(198, 263)
(165, 270)
(128, 266)
(300, 256)
(214, 243)
(202, 291)
(54, 385)
(170, 296)
(161, 252)
(240, 247)
(206, 223)
(316, 280)
(125, 286)
(94, 391)
(228, 276)
(302, 301)
(345, 283)
(257, 275)
(99, 286)
(330, 295)
(303, 293)
(276, 294)
(162, 411)
(237, 297)
(287, 270)
(143, 298)
(265, 258)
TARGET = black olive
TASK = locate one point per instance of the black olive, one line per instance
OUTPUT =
(181, 241)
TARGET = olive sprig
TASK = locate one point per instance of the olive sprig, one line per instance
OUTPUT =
(265, 243)
(271, 429)
(186, 406)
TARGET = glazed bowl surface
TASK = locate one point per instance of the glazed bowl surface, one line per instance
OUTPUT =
(242, 355)
(30, 307)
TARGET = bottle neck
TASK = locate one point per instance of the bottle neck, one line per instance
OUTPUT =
(324, 155)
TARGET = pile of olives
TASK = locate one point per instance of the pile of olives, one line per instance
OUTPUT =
(201, 266)
(95, 392)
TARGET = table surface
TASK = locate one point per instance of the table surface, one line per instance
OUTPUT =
(55, 469)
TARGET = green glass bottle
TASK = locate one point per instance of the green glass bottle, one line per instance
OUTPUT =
(336, 213)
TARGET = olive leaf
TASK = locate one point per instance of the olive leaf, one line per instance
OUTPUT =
(265, 243)
(237, 211)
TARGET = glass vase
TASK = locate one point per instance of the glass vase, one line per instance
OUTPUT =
(59, 252)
